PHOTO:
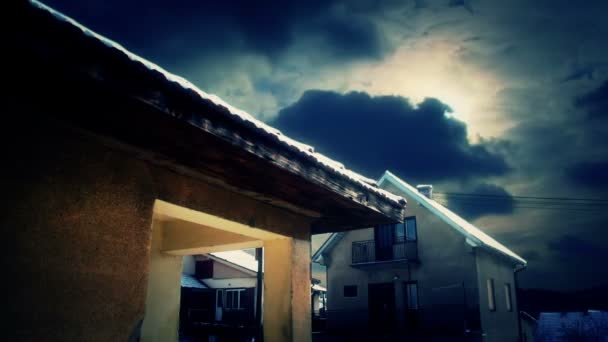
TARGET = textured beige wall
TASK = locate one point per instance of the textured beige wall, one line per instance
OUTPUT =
(163, 291)
(287, 312)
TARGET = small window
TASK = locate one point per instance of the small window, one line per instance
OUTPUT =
(411, 298)
(491, 302)
(410, 229)
(233, 299)
(350, 291)
(508, 296)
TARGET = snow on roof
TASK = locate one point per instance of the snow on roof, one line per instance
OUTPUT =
(191, 282)
(473, 234)
(239, 258)
(238, 114)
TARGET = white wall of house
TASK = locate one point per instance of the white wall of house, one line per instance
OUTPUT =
(499, 324)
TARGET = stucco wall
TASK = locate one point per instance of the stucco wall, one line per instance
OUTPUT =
(500, 324)
(347, 313)
(446, 262)
(79, 217)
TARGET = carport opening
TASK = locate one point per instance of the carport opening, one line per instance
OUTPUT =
(219, 296)
(187, 246)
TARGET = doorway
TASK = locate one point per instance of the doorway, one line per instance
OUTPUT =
(381, 306)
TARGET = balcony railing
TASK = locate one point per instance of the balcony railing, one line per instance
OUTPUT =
(366, 251)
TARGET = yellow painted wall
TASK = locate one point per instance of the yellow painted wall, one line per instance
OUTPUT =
(287, 311)
(161, 320)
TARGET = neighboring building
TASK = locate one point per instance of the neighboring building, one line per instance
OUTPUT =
(227, 295)
(434, 273)
(114, 170)
(219, 289)
(591, 325)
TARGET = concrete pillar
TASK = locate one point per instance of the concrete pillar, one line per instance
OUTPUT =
(161, 320)
(287, 315)
(399, 303)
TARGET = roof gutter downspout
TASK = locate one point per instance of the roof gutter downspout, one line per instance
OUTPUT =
(518, 268)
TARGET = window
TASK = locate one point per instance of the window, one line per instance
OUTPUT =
(350, 290)
(411, 295)
(508, 296)
(410, 228)
(406, 231)
(491, 302)
(399, 232)
(233, 299)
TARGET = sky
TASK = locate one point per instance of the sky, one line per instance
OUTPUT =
(498, 100)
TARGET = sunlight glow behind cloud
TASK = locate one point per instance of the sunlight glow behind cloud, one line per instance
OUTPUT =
(435, 68)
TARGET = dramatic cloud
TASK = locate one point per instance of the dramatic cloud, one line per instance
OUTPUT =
(175, 32)
(590, 174)
(595, 102)
(570, 246)
(527, 82)
(483, 199)
(372, 134)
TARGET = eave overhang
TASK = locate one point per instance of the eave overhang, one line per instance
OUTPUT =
(77, 79)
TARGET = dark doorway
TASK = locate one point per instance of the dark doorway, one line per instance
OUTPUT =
(381, 304)
(384, 237)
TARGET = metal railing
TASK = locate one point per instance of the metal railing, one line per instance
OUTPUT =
(366, 252)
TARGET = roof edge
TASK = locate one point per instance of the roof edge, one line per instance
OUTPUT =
(470, 237)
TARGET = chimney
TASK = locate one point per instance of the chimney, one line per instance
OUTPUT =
(426, 190)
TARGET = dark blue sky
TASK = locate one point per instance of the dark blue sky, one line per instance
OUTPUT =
(498, 98)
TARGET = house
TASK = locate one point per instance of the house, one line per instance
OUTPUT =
(434, 273)
(590, 325)
(219, 292)
(228, 297)
(115, 169)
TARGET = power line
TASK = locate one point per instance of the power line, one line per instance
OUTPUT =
(519, 206)
(522, 197)
(506, 199)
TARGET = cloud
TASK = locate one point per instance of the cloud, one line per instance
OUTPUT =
(589, 174)
(496, 201)
(595, 102)
(176, 32)
(372, 134)
(570, 246)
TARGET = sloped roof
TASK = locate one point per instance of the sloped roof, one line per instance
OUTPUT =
(191, 282)
(239, 258)
(390, 206)
(473, 234)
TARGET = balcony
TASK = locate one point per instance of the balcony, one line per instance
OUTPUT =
(367, 253)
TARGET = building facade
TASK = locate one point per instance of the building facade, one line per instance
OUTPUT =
(434, 273)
